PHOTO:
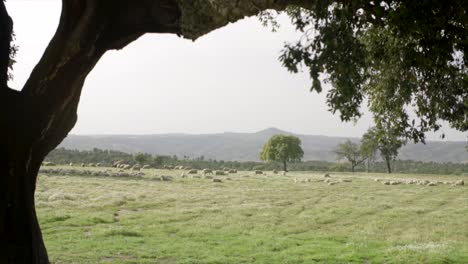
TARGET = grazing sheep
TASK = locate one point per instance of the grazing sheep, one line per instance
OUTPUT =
(83, 165)
(71, 164)
(377, 180)
(275, 172)
(147, 166)
(217, 180)
(460, 183)
(432, 184)
(192, 172)
(167, 178)
(117, 163)
(326, 175)
(258, 172)
(219, 173)
(386, 182)
(232, 171)
(98, 164)
(207, 171)
(136, 167)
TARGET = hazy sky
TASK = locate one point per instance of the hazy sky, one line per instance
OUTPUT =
(228, 80)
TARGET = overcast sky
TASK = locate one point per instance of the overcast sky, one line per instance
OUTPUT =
(229, 80)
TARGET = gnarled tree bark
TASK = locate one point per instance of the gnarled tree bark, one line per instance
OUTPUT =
(37, 118)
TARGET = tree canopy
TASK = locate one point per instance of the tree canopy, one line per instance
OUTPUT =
(282, 148)
(405, 58)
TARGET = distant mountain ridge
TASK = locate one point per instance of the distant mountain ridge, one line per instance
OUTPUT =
(232, 146)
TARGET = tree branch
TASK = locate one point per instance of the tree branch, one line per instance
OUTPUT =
(200, 17)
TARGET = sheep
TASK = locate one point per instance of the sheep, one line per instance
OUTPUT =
(275, 172)
(219, 173)
(326, 175)
(217, 180)
(117, 163)
(232, 171)
(460, 183)
(192, 172)
(258, 172)
(207, 171)
(136, 167)
(167, 178)
(147, 166)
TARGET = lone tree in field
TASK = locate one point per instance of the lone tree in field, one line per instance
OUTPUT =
(369, 147)
(387, 141)
(282, 148)
(395, 53)
(142, 158)
(352, 152)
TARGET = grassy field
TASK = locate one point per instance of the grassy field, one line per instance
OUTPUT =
(252, 219)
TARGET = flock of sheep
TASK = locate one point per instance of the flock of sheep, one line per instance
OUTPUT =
(127, 170)
(420, 182)
(332, 181)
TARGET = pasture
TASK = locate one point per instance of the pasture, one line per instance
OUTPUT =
(248, 218)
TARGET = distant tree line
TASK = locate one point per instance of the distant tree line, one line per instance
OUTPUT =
(107, 157)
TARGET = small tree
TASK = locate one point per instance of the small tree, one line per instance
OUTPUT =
(142, 158)
(282, 148)
(351, 152)
(389, 142)
(386, 140)
(369, 147)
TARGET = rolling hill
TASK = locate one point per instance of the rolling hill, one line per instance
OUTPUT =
(246, 146)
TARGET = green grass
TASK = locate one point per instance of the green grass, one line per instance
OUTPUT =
(252, 219)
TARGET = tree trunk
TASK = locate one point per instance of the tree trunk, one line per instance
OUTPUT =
(389, 165)
(284, 166)
(20, 235)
